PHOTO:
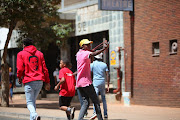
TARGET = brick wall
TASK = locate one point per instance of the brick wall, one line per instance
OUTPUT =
(153, 80)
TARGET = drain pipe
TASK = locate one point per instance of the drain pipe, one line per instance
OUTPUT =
(119, 73)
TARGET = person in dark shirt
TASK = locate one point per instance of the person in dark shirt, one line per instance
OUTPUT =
(11, 84)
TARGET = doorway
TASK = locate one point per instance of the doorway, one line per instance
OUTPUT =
(97, 39)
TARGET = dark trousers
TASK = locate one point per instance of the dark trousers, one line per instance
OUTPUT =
(89, 92)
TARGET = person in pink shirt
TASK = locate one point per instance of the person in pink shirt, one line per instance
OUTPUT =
(84, 82)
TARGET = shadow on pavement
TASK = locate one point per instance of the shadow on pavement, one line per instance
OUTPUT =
(38, 105)
(53, 105)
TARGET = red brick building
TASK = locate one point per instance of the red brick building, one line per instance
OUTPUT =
(152, 61)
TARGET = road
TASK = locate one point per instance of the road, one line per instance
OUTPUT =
(9, 118)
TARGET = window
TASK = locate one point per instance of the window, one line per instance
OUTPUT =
(173, 47)
(155, 49)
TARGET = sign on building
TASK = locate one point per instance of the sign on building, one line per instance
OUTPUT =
(121, 5)
(113, 58)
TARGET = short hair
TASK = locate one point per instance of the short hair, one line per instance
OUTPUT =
(67, 62)
(28, 41)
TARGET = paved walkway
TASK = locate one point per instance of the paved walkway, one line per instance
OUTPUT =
(48, 109)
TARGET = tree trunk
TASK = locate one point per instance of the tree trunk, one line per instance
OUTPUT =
(5, 85)
(65, 50)
(5, 69)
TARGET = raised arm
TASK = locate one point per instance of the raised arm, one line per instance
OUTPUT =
(105, 46)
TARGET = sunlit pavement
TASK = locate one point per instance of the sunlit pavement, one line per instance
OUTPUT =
(48, 110)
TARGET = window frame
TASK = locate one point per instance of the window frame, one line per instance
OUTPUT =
(155, 46)
(170, 47)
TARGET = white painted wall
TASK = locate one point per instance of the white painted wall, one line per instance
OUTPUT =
(3, 37)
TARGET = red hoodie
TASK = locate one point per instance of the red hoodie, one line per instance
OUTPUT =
(31, 65)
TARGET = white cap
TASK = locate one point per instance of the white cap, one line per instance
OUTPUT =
(99, 56)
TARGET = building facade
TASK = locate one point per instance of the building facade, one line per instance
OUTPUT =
(151, 38)
(96, 25)
(12, 50)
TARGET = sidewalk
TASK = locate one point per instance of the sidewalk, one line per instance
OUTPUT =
(48, 110)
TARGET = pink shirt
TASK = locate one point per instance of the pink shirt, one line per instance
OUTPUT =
(83, 68)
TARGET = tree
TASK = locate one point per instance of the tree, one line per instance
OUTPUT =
(29, 18)
(62, 31)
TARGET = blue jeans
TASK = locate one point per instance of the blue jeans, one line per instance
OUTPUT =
(80, 98)
(32, 90)
(101, 88)
(86, 93)
(11, 92)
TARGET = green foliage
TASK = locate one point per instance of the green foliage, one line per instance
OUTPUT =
(62, 31)
(30, 11)
(34, 18)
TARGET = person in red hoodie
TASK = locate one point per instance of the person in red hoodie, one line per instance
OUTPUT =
(32, 72)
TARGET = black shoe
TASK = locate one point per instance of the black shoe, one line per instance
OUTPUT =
(72, 113)
(105, 116)
(38, 118)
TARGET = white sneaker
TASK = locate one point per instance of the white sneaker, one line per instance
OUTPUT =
(93, 116)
